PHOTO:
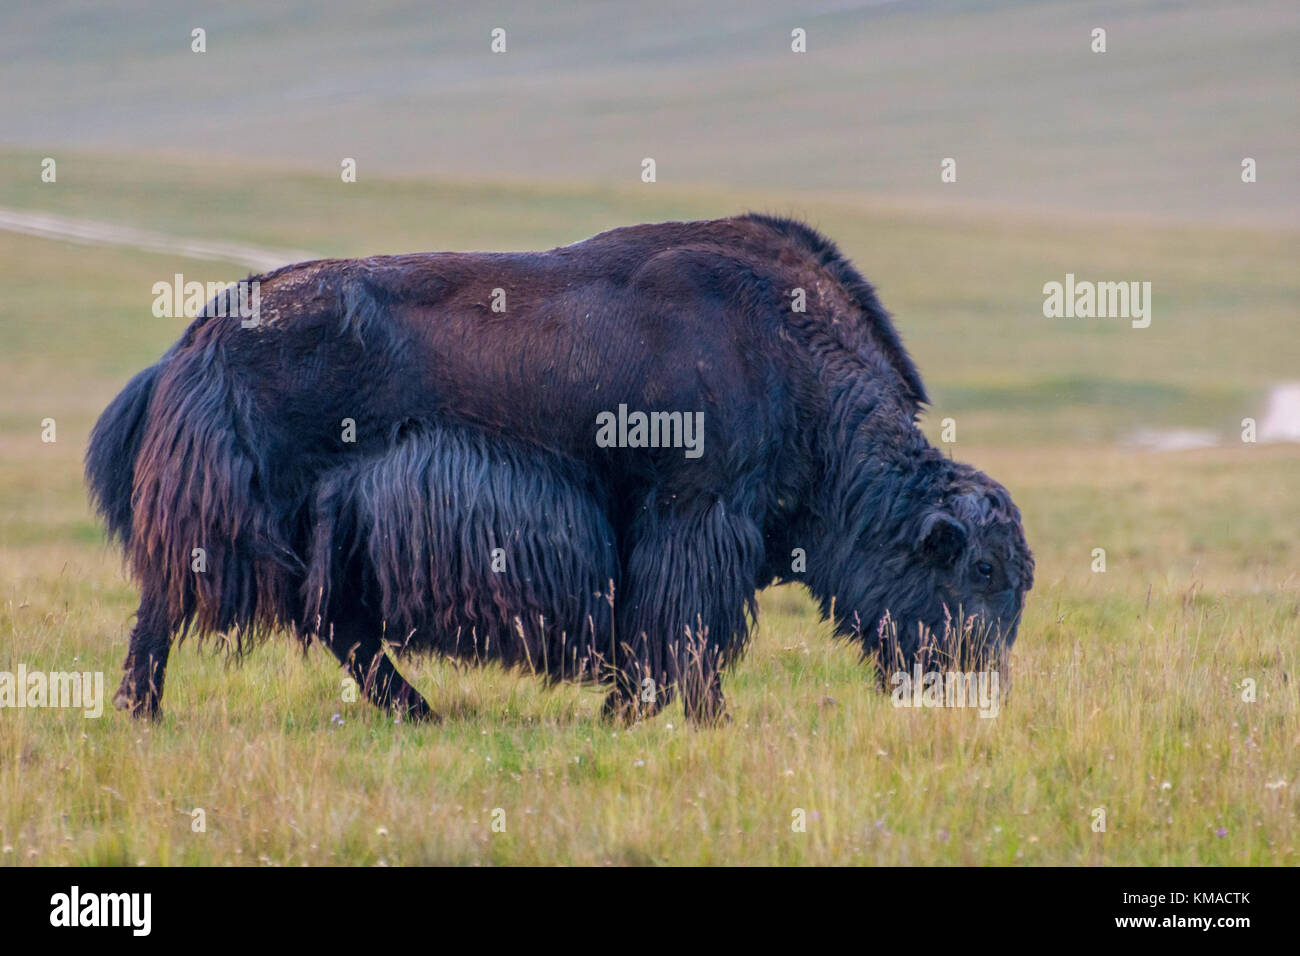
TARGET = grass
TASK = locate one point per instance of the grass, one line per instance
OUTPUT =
(1128, 684)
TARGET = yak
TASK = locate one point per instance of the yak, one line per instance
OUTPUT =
(584, 462)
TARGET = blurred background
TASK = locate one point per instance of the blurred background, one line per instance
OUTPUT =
(1155, 126)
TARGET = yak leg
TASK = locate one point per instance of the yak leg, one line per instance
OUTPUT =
(359, 649)
(146, 659)
(632, 698)
(689, 589)
(702, 694)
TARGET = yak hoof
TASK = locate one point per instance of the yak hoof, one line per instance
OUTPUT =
(414, 709)
(621, 711)
(136, 707)
(138, 698)
(711, 712)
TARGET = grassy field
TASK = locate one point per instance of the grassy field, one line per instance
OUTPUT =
(587, 88)
(1127, 684)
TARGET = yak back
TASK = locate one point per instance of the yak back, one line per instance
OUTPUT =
(677, 316)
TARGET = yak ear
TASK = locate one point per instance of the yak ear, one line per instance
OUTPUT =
(943, 539)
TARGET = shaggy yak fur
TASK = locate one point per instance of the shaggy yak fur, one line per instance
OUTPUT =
(390, 459)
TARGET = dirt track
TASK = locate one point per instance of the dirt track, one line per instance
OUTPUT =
(49, 226)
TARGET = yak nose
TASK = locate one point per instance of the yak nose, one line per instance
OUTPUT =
(1008, 617)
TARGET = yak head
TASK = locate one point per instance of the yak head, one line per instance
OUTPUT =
(935, 572)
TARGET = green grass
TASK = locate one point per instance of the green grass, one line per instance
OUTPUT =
(1123, 682)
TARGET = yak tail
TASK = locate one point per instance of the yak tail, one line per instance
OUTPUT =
(114, 445)
(185, 483)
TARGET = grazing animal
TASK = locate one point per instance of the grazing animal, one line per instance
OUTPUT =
(584, 462)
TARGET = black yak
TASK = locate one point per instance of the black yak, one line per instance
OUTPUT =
(584, 462)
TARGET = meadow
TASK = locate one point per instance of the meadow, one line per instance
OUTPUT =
(1129, 685)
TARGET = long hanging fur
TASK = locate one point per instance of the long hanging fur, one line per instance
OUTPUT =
(471, 547)
(205, 537)
(112, 451)
(704, 623)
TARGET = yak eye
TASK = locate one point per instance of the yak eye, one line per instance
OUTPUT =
(985, 569)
